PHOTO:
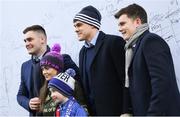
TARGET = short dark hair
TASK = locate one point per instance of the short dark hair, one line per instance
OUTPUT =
(133, 11)
(37, 28)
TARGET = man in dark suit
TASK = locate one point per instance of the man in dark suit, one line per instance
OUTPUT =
(31, 76)
(101, 63)
(150, 76)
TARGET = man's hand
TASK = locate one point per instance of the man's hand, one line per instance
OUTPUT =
(34, 103)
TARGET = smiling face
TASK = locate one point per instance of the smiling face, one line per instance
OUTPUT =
(127, 26)
(57, 96)
(34, 42)
(48, 72)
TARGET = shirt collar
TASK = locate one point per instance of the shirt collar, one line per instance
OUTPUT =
(36, 57)
(92, 42)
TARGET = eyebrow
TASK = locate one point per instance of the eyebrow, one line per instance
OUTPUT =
(28, 39)
(121, 23)
(52, 89)
(78, 24)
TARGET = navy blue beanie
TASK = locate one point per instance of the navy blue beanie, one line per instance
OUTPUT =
(89, 15)
(64, 83)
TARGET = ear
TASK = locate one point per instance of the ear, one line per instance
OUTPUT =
(43, 39)
(138, 21)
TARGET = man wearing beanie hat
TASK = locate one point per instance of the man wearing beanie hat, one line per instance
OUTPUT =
(35, 39)
(101, 63)
(61, 88)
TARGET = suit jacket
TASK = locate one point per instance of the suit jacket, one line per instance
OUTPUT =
(153, 86)
(24, 93)
(106, 74)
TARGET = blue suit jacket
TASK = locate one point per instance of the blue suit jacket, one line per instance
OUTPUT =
(24, 93)
(153, 86)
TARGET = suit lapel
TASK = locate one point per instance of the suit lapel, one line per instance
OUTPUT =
(136, 46)
(82, 65)
(28, 74)
(98, 46)
(81, 59)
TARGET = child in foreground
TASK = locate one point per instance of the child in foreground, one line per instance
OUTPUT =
(61, 88)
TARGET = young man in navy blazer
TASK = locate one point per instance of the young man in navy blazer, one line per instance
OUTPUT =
(101, 63)
(31, 77)
(150, 77)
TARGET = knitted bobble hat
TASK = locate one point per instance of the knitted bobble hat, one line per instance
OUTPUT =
(64, 83)
(53, 58)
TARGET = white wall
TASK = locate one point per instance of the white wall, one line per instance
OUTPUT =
(56, 17)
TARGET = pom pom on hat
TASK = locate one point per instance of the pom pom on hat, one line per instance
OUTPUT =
(56, 48)
(63, 83)
(53, 58)
(89, 15)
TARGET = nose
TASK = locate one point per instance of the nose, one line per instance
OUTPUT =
(119, 29)
(76, 29)
(26, 43)
(52, 95)
(44, 71)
